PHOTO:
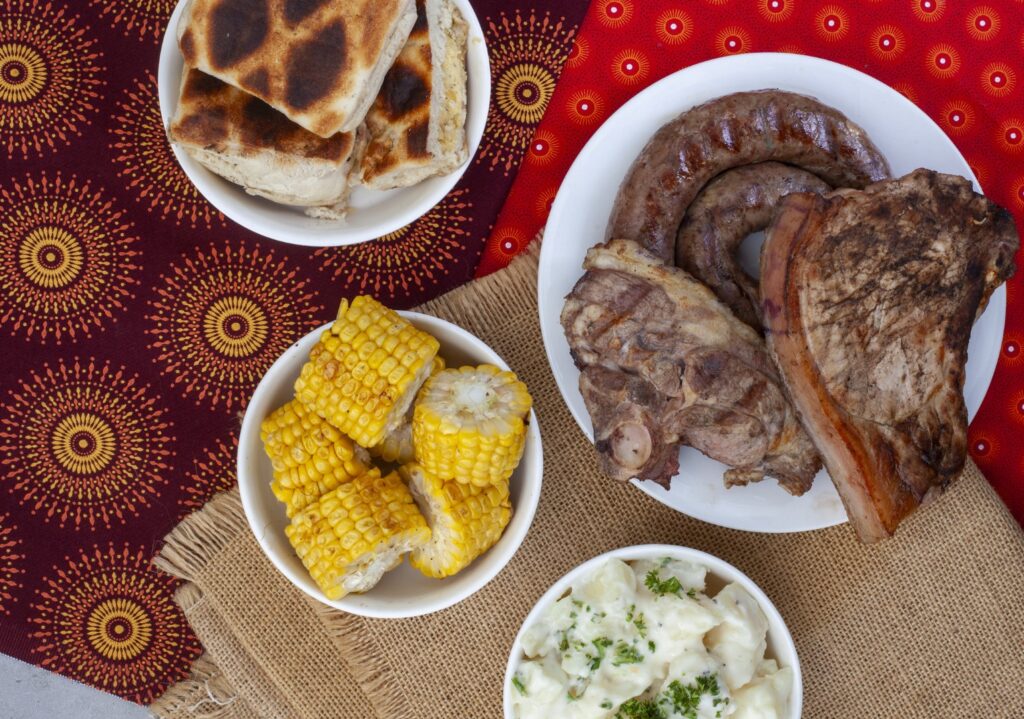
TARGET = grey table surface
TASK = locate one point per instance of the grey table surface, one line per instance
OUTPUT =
(27, 692)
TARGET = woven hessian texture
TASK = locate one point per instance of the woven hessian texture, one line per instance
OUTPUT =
(930, 624)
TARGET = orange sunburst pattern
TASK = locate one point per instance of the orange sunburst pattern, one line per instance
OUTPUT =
(544, 148)
(579, 52)
(146, 163)
(776, 10)
(928, 10)
(943, 60)
(674, 27)
(107, 618)
(957, 117)
(411, 259)
(542, 204)
(212, 472)
(585, 107)
(983, 23)
(69, 262)
(733, 40)
(832, 23)
(630, 67)
(84, 444)
(11, 559)
(998, 79)
(613, 13)
(220, 319)
(907, 90)
(141, 18)
(1010, 135)
(527, 52)
(1017, 193)
(887, 42)
(50, 76)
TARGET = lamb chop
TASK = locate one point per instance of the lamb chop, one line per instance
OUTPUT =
(869, 298)
(665, 363)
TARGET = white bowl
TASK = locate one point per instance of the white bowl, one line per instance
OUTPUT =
(372, 213)
(403, 592)
(780, 642)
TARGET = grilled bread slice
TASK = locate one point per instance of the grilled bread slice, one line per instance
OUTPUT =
(320, 62)
(244, 140)
(417, 125)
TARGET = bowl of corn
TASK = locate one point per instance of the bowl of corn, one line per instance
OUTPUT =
(389, 463)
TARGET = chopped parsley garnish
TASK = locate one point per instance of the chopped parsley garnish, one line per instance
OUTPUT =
(600, 644)
(661, 587)
(651, 645)
(518, 684)
(606, 704)
(639, 709)
(625, 654)
(563, 646)
(685, 700)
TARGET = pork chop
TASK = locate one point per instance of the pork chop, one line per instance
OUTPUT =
(665, 363)
(868, 300)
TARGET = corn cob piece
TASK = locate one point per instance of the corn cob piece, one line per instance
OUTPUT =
(365, 371)
(397, 445)
(465, 520)
(354, 534)
(469, 424)
(309, 456)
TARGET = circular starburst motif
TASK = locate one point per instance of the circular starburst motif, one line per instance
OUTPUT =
(84, 444)
(907, 90)
(673, 27)
(108, 618)
(409, 260)
(50, 76)
(1010, 135)
(998, 79)
(579, 52)
(68, 263)
(220, 318)
(142, 18)
(146, 163)
(957, 117)
(733, 40)
(11, 559)
(943, 60)
(544, 147)
(527, 53)
(776, 10)
(832, 23)
(212, 472)
(630, 67)
(887, 42)
(983, 23)
(524, 91)
(928, 10)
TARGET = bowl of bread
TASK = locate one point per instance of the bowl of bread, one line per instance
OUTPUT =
(321, 123)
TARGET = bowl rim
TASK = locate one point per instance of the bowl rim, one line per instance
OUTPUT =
(777, 626)
(506, 547)
(223, 199)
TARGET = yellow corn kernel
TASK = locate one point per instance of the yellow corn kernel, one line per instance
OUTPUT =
(352, 535)
(397, 445)
(465, 520)
(469, 424)
(309, 456)
(365, 371)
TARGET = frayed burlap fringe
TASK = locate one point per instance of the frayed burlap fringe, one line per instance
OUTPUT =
(367, 662)
(206, 694)
(200, 536)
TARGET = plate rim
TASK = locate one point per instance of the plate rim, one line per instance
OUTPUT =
(734, 64)
(337, 233)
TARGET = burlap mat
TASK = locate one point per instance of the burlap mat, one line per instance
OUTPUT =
(930, 624)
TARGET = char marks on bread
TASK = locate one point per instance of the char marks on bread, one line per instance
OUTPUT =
(417, 125)
(244, 140)
(869, 298)
(320, 62)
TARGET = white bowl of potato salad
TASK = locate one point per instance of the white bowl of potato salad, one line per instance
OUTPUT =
(654, 632)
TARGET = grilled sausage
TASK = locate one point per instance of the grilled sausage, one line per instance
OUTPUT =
(730, 207)
(738, 129)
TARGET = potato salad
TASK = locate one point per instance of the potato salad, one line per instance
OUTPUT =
(641, 640)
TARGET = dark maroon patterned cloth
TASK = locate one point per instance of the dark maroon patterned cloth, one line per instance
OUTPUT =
(135, 320)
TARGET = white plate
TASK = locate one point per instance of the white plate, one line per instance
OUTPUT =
(372, 213)
(403, 592)
(780, 642)
(579, 216)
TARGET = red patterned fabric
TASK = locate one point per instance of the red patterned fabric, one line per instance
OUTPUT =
(959, 61)
(135, 320)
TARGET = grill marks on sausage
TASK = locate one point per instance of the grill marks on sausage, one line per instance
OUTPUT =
(237, 29)
(313, 68)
